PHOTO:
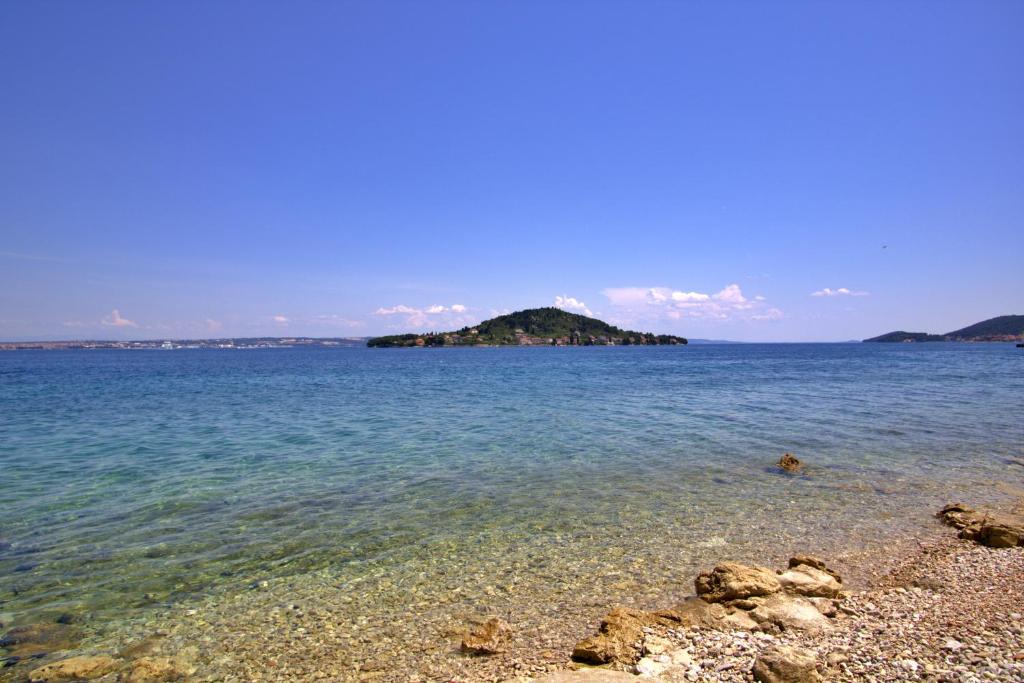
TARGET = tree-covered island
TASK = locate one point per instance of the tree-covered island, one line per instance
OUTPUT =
(532, 327)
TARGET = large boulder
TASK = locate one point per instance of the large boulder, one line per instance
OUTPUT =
(789, 612)
(998, 533)
(784, 664)
(488, 638)
(74, 669)
(734, 581)
(810, 561)
(809, 582)
(993, 529)
(697, 613)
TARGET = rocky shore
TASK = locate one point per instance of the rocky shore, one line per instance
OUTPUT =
(950, 608)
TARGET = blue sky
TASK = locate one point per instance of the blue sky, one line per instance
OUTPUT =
(196, 169)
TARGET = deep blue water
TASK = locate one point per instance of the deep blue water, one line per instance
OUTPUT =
(130, 473)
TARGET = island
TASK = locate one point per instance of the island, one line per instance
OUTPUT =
(532, 327)
(1004, 328)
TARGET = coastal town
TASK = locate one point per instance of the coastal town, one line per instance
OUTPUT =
(170, 345)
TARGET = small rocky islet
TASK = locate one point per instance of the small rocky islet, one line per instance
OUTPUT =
(950, 610)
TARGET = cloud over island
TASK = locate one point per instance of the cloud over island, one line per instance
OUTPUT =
(435, 315)
(729, 303)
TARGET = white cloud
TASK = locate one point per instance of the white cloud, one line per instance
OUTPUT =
(213, 325)
(842, 291)
(627, 296)
(689, 296)
(732, 294)
(394, 310)
(280, 319)
(436, 315)
(646, 303)
(115, 320)
(568, 303)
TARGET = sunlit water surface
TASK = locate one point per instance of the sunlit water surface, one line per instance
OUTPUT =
(134, 480)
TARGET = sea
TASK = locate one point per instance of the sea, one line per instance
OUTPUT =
(440, 480)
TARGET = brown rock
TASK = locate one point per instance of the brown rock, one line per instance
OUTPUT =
(993, 529)
(824, 605)
(37, 639)
(695, 612)
(488, 638)
(783, 664)
(74, 669)
(809, 582)
(618, 638)
(790, 612)
(810, 561)
(1000, 534)
(790, 463)
(734, 581)
(153, 670)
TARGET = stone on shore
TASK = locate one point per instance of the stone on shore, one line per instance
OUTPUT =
(809, 582)
(74, 669)
(618, 638)
(790, 463)
(810, 561)
(489, 638)
(784, 664)
(790, 612)
(992, 529)
(734, 581)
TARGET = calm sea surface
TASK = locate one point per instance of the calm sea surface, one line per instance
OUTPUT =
(134, 479)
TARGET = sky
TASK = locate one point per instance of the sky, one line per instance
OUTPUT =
(737, 170)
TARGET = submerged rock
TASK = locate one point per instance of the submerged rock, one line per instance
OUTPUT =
(154, 670)
(74, 669)
(36, 639)
(784, 664)
(488, 638)
(734, 581)
(790, 463)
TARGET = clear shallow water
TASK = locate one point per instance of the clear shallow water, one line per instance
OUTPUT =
(130, 480)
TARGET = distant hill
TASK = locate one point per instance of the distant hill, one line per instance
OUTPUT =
(1003, 328)
(532, 327)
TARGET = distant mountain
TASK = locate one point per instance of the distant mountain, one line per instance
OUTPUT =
(1003, 328)
(532, 327)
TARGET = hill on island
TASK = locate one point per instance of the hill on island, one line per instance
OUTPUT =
(532, 327)
(1002, 328)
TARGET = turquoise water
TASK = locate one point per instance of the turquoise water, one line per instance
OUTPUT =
(147, 478)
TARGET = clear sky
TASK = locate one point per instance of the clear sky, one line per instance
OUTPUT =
(184, 169)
